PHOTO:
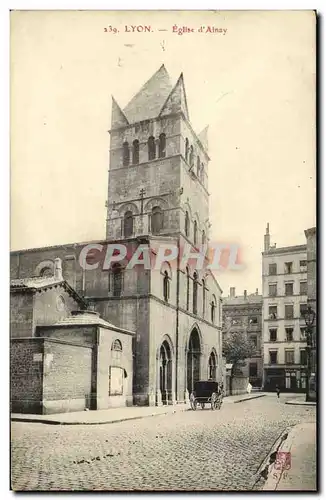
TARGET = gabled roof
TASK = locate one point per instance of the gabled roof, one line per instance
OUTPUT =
(85, 318)
(42, 283)
(35, 282)
(148, 102)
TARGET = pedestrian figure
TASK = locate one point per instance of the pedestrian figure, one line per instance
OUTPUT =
(278, 390)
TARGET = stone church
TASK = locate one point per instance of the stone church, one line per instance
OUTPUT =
(157, 195)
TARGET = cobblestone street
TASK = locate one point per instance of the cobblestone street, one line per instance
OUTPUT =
(201, 450)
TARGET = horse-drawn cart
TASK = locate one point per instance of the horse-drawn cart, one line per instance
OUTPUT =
(206, 392)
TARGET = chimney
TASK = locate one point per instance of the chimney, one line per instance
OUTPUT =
(267, 239)
(245, 294)
(58, 269)
(232, 292)
(256, 291)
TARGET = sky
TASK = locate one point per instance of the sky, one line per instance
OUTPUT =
(253, 84)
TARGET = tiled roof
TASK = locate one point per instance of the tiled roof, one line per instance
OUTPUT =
(148, 102)
(241, 300)
(35, 282)
(87, 318)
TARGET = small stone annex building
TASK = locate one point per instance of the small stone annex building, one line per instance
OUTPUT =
(157, 195)
(64, 358)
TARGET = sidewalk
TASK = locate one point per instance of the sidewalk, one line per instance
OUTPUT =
(300, 444)
(300, 399)
(115, 415)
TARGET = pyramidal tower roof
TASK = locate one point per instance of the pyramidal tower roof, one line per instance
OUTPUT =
(148, 102)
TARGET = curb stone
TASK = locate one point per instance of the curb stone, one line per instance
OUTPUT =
(123, 419)
(267, 465)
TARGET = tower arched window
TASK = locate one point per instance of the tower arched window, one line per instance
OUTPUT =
(195, 293)
(151, 148)
(117, 280)
(166, 286)
(213, 309)
(187, 149)
(135, 152)
(156, 220)
(198, 166)
(162, 146)
(126, 154)
(203, 238)
(128, 224)
(191, 156)
(187, 223)
(204, 297)
(195, 232)
(188, 288)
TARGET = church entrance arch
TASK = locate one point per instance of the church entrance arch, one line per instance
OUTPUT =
(165, 371)
(193, 359)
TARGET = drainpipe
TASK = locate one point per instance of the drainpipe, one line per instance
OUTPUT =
(177, 325)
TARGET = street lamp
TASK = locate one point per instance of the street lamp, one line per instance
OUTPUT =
(309, 317)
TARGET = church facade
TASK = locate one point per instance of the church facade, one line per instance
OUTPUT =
(157, 198)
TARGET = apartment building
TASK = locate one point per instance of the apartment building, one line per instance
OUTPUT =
(284, 276)
(243, 313)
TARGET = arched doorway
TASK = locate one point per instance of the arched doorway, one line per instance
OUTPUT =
(193, 360)
(212, 365)
(165, 368)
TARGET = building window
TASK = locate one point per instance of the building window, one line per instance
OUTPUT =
(289, 334)
(288, 311)
(288, 288)
(157, 220)
(303, 266)
(272, 290)
(272, 312)
(303, 357)
(204, 297)
(128, 224)
(195, 232)
(151, 148)
(253, 370)
(162, 146)
(187, 222)
(202, 172)
(46, 272)
(289, 357)
(288, 267)
(166, 286)
(126, 154)
(135, 152)
(213, 309)
(303, 309)
(273, 357)
(203, 238)
(195, 293)
(191, 156)
(272, 334)
(117, 280)
(198, 166)
(253, 320)
(253, 340)
(303, 288)
(272, 269)
(303, 333)
(188, 289)
(116, 351)
(187, 149)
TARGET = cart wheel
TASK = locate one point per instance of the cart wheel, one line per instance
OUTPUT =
(202, 406)
(193, 402)
(214, 401)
